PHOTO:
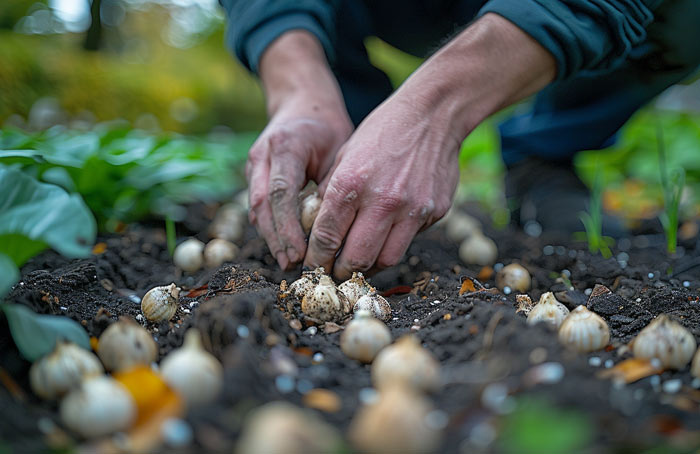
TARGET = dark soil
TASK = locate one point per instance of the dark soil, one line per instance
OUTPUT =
(490, 358)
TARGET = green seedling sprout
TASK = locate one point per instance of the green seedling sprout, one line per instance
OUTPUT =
(593, 220)
(672, 184)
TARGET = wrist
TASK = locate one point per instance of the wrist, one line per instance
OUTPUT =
(294, 69)
(487, 67)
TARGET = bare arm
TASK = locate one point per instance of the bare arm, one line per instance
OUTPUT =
(398, 172)
(308, 123)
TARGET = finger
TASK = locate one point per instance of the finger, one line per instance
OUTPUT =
(397, 242)
(287, 177)
(364, 241)
(260, 213)
(334, 219)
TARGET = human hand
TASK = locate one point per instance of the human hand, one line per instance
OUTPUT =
(308, 123)
(297, 145)
(395, 176)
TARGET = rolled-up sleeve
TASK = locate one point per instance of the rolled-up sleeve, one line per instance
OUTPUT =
(254, 24)
(584, 36)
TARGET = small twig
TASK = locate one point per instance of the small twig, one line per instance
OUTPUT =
(12, 386)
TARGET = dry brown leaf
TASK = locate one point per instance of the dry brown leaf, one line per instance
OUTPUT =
(631, 370)
(322, 399)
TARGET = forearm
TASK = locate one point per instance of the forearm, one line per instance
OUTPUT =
(294, 69)
(487, 67)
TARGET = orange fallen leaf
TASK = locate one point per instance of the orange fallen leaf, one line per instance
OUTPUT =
(485, 273)
(147, 388)
(469, 284)
(631, 370)
(194, 293)
(322, 399)
(99, 248)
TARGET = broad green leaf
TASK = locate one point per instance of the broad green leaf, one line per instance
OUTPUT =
(8, 274)
(35, 335)
(35, 215)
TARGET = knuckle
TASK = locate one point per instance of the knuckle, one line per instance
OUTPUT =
(343, 189)
(326, 240)
(391, 202)
(279, 140)
(278, 188)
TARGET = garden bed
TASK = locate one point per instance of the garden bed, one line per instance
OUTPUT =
(507, 386)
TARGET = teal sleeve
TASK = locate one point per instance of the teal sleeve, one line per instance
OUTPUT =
(254, 24)
(584, 36)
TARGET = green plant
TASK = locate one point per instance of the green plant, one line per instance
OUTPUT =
(593, 220)
(35, 216)
(126, 175)
(672, 184)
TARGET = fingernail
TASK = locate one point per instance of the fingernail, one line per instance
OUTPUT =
(293, 255)
(282, 260)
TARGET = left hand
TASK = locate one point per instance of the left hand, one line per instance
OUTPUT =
(395, 176)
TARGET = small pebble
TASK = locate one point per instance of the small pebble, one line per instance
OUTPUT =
(588, 291)
(317, 358)
(686, 284)
(695, 383)
(573, 254)
(186, 311)
(176, 432)
(498, 267)
(495, 397)
(311, 331)
(639, 300)
(304, 386)
(437, 420)
(284, 383)
(415, 327)
(134, 299)
(655, 382)
(193, 304)
(609, 363)
(672, 386)
(560, 250)
(566, 273)
(548, 250)
(482, 434)
(594, 361)
(395, 318)
(242, 331)
(538, 355)
(623, 257)
(507, 290)
(436, 302)
(368, 396)
(532, 228)
(139, 318)
(415, 320)
(64, 308)
(650, 275)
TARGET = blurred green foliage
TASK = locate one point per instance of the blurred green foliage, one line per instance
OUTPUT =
(125, 174)
(139, 73)
(536, 426)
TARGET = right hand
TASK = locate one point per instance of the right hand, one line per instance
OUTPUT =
(299, 144)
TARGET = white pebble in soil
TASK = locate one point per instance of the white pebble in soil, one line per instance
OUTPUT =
(242, 331)
(495, 397)
(311, 331)
(176, 432)
(284, 383)
(507, 290)
(609, 363)
(672, 386)
(686, 284)
(594, 361)
(317, 358)
(304, 386)
(695, 383)
(655, 382)
(368, 396)
(498, 267)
